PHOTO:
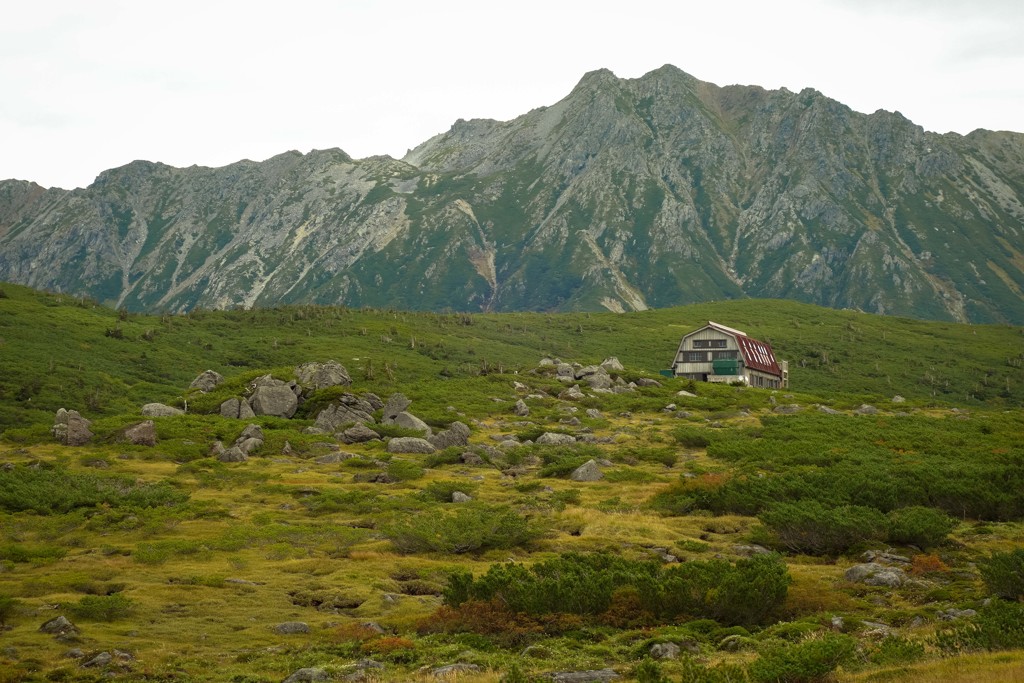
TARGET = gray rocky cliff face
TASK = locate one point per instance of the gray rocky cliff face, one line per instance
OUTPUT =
(626, 194)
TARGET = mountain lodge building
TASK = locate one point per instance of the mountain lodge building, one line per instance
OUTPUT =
(716, 353)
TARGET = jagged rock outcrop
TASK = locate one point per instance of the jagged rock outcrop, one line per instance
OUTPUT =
(409, 444)
(349, 408)
(161, 410)
(141, 434)
(70, 428)
(624, 195)
(237, 408)
(588, 471)
(312, 376)
(457, 434)
(274, 397)
(207, 380)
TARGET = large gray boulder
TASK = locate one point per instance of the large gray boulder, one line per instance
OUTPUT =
(874, 574)
(313, 376)
(273, 397)
(410, 421)
(70, 428)
(573, 393)
(599, 380)
(457, 434)
(409, 444)
(556, 439)
(291, 628)
(141, 434)
(612, 364)
(358, 433)
(396, 404)
(206, 381)
(647, 382)
(588, 471)
(250, 439)
(58, 626)
(237, 409)
(347, 410)
(99, 661)
(309, 674)
(665, 651)
(160, 410)
(521, 409)
(454, 670)
(233, 454)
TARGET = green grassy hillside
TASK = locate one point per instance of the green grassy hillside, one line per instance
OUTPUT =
(65, 352)
(353, 560)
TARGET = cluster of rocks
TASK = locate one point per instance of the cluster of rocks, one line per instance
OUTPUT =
(70, 428)
(603, 378)
(268, 395)
(63, 630)
(351, 420)
(348, 418)
(248, 441)
(878, 569)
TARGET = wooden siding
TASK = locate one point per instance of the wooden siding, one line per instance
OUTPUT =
(704, 369)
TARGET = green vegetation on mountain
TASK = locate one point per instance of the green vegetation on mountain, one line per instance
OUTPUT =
(734, 534)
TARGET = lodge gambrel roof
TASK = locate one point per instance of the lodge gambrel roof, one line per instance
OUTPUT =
(757, 354)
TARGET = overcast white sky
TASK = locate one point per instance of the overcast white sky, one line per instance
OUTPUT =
(90, 85)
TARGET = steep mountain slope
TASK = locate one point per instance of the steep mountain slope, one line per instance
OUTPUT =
(625, 195)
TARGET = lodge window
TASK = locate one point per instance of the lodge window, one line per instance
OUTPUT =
(723, 355)
(709, 343)
(694, 356)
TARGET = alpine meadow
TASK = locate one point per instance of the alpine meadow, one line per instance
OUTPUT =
(863, 525)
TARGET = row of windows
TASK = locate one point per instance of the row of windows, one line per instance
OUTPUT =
(709, 343)
(702, 356)
(767, 382)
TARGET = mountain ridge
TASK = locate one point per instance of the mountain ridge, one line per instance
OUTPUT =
(624, 195)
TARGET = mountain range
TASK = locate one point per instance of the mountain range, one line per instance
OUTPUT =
(627, 194)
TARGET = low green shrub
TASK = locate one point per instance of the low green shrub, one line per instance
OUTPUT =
(997, 626)
(562, 467)
(102, 607)
(808, 662)
(691, 437)
(896, 650)
(616, 590)
(649, 671)
(9, 606)
(56, 490)
(442, 490)
(923, 527)
(1003, 574)
(404, 470)
(691, 671)
(810, 527)
(44, 554)
(449, 456)
(470, 527)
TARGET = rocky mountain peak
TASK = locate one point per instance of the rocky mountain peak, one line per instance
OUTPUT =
(625, 194)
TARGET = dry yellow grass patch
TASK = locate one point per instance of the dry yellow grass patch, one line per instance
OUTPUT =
(1002, 667)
